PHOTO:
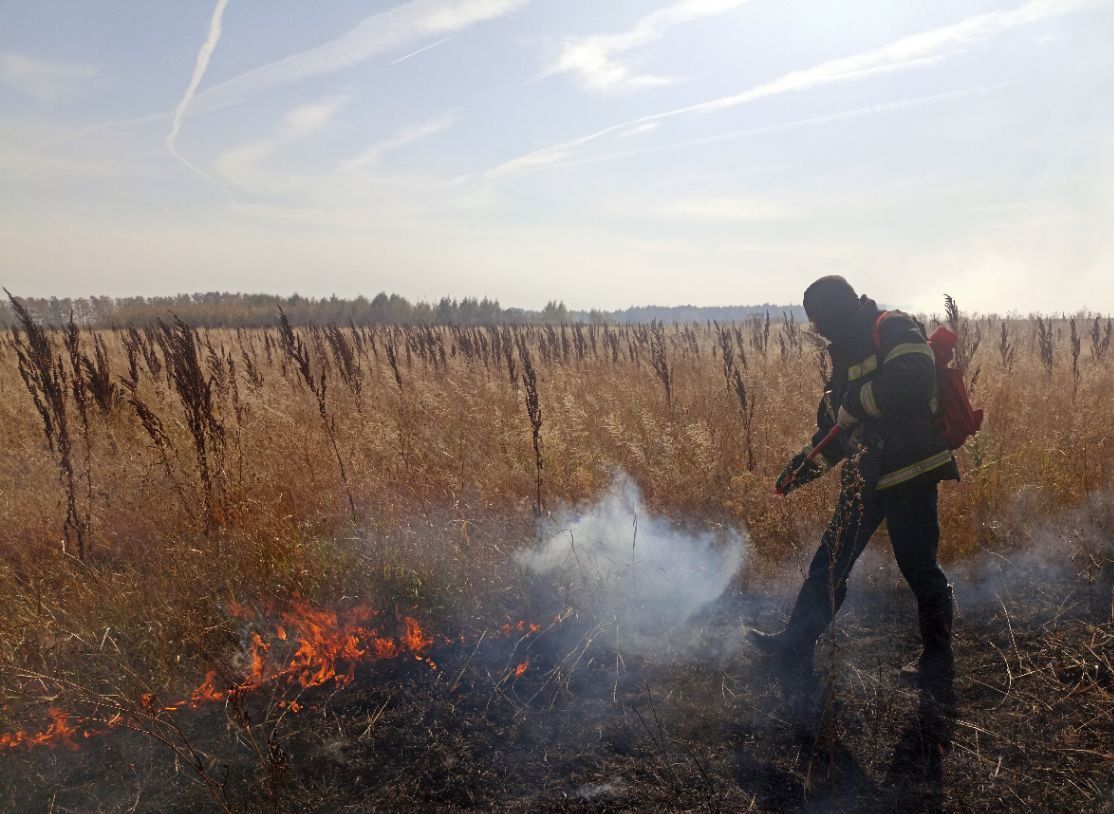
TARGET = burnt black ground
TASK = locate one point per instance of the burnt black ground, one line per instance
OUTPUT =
(587, 728)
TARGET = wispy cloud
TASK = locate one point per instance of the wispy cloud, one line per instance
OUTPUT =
(378, 34)
(904, 54)
(811, 121)
(199, 68)
(639, 129)
(306, 120)
(45, 81)
(374, 154)
(95, 128)
(601, 61)
(29, 167)
(725, 209)
(238, 165)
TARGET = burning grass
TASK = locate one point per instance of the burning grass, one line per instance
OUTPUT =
(280, 570)
(527, 717)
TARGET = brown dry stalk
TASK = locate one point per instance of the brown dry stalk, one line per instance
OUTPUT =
(181, 350)
(659, 357)
(534, 411)
(296, 351)
(44, 376)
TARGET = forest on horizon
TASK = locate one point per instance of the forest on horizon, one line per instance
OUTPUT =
(237, 310)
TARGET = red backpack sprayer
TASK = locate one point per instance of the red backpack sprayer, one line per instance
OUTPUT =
(956, 419)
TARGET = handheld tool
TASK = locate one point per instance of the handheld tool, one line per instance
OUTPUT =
(832, 435)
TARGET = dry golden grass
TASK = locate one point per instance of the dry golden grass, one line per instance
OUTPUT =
(247, 491)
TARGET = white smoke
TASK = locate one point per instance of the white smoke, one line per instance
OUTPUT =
(644, 573)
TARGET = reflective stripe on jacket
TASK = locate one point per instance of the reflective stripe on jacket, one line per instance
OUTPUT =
(891, 388)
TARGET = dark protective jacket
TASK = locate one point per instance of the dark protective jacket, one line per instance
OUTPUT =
(891, 388)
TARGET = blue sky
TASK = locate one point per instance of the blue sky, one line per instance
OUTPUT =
(604, 153)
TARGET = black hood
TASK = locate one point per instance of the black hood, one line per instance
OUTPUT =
(854, 323)
(830, 302)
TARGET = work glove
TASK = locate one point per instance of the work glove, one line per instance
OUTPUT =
(846, 420)
(790, 478)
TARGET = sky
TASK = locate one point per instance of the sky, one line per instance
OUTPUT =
(607, 154)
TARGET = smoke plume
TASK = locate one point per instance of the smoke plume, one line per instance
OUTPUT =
(648, 576)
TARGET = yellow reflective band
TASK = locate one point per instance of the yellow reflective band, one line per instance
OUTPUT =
(866, 398)
(910, 347)
(909, 472)
(867, 365)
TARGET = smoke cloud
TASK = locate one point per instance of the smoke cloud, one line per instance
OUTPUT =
(648, 576)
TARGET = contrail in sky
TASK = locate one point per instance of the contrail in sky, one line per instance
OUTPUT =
(422, 50)
(909, 52)
(199, 69)
(884, 107)
(384, 31)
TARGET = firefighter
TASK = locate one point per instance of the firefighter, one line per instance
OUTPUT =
(882, 394)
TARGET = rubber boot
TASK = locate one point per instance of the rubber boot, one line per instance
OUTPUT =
(936, 663)
(792, 648)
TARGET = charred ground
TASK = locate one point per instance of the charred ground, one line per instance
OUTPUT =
(587, 728)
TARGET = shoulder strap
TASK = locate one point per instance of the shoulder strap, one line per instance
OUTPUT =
(876, 334)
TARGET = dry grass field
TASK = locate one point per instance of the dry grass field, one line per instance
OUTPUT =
(288, 569)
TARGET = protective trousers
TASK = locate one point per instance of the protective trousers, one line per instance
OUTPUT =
(911, 516)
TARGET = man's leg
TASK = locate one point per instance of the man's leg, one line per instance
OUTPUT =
(911, 515)
(825, 586)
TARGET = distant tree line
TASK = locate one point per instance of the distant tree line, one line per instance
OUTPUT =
(697, 313)
(229, 310)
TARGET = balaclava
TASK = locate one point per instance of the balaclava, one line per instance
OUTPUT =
(830, 302)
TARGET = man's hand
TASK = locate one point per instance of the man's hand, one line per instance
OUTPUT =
(799, 472)
(846, 420)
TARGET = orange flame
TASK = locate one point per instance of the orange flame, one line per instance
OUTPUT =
(60, 732)
(236, 609)
(521, 626)
(328, 649)
(206, 691)
(385, 648)
(414, 639)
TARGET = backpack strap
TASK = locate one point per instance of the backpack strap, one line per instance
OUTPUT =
(876, 333)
